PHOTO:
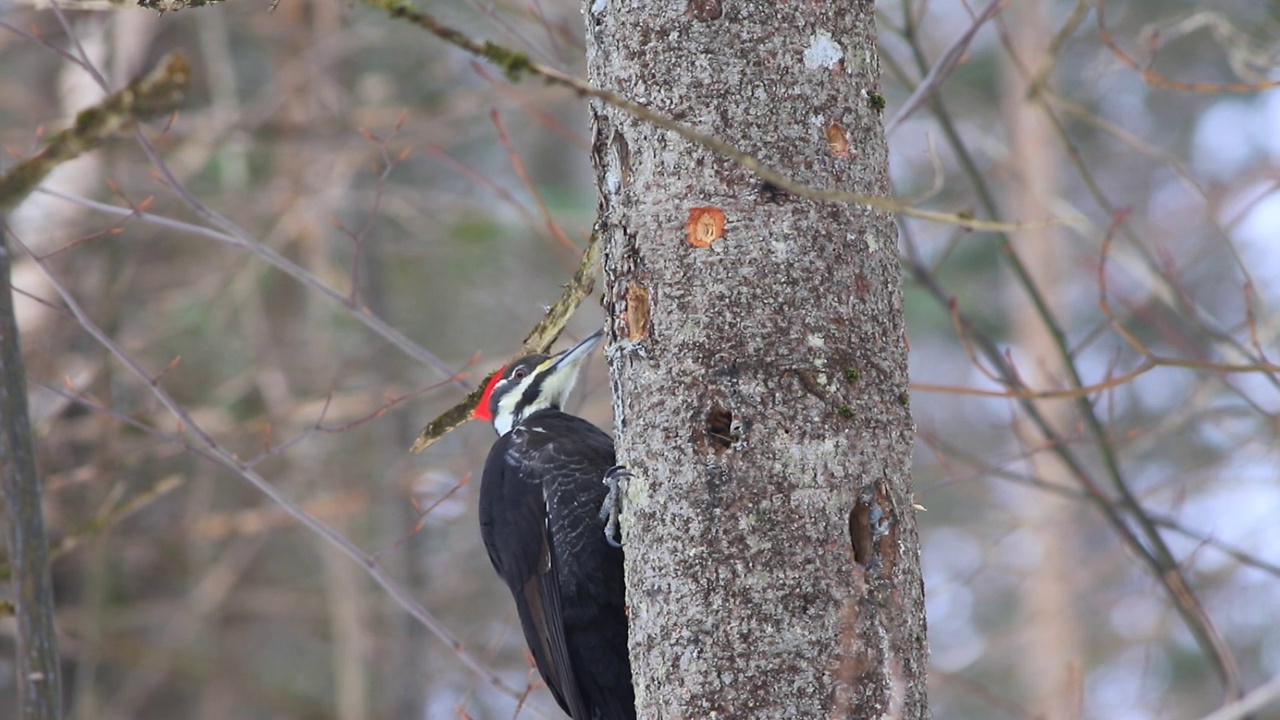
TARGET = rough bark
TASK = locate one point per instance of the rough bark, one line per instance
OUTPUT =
(39, 686)
(759, 382)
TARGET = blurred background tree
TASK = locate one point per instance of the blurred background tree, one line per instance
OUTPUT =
(348, 213)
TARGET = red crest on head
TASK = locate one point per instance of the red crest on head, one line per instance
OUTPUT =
(482, 411)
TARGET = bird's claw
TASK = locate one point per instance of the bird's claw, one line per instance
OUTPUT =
(613, 504)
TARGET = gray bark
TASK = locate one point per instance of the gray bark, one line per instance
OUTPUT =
(760, 383)
(39, 685)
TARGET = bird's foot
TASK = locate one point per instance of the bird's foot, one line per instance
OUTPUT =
(626, 347)
(613, 504)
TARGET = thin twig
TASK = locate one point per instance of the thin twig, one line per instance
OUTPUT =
(1157, 80)
(1260, 697)
(943, 67)
(239, 239)
(206, 446)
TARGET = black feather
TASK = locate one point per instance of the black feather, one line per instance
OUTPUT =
(540, 500)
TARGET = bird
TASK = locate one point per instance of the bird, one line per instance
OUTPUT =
(545, 482)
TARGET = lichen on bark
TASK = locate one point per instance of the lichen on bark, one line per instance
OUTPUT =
(757, 457)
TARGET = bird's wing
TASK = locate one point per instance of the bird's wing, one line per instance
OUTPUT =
(522, 554)
(542, 598)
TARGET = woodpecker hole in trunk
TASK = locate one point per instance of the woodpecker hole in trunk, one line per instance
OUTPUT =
(622, 155)
(860, 532)
(767, 192)
(719, 430)
(706, 10)
(873, 530)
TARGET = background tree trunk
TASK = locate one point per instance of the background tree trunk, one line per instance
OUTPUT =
(1051, 651)
(760, 383)
(37, 668)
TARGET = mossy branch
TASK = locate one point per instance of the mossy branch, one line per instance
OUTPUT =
(156, 93)
(517, 65)
(539, 339)
(161, 6)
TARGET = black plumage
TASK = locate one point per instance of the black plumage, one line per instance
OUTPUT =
(540, 500)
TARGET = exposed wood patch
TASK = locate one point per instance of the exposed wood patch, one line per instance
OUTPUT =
(637, 311)
(837, 140)
(704, 226)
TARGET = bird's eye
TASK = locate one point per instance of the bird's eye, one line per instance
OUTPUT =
(520, 373)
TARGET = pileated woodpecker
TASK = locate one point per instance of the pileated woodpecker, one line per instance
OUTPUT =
(540, 515)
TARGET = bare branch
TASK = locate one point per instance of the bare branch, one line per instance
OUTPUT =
(1157, 80)
(1260, 697)
(156, 93)
(236, 237)
(111, 515)
(941, 69)
(206, 446)
(104, 5)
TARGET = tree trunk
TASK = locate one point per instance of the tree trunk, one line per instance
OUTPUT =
(758, 364)
(22, 518)
(1050, 652)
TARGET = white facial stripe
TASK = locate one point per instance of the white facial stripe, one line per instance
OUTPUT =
(553, 390)
(509, 412)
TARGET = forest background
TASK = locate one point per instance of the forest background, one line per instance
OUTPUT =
(349, 221)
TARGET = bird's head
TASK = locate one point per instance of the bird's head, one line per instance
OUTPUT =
(532, 383)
